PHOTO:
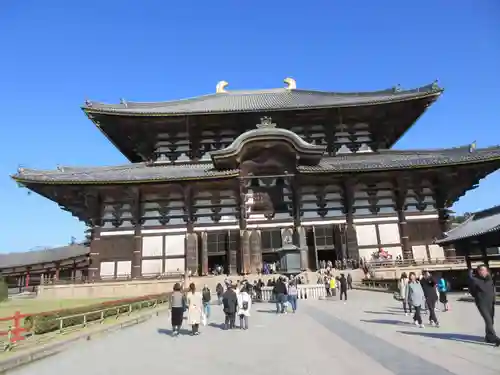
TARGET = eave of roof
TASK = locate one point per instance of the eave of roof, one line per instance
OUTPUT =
(31, 258)
(345, 163)
(480, 223)
(261, 100)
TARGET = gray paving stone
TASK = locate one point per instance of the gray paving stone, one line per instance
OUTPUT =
(368, 335)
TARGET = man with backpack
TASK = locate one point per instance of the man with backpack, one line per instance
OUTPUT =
(206, 296)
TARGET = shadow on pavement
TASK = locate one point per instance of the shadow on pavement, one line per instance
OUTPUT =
(165, 331)
(267, 311)
(386, 321)
(473, 339)
(380, 313)
(216, 325)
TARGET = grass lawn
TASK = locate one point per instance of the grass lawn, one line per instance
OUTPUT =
(31, 306)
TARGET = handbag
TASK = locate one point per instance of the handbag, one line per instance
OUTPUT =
(203, 319)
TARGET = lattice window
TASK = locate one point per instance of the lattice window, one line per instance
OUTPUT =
(324, 236)
(216, 242)
(271, 239)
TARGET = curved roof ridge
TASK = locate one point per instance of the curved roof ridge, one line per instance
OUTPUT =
(125, 104)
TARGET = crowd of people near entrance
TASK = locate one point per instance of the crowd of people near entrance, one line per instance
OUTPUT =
(235, 298)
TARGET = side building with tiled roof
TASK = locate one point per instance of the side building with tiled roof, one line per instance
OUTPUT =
(24, 269)
(476, 237)
(231, 178)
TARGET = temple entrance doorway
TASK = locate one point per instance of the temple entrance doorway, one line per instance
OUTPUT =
(328, 243)
(270, 258)
(217, 264)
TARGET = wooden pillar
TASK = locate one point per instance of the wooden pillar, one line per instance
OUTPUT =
(255, 251)
(299, 233)
(244, 251)
(350, 230)
(58, 271)
(136, 271)
(400, 191)
(246, 261)
(94, 258)
(440, 186)
(191, 242)
(27, 278)
(204, 253)
(445, 226)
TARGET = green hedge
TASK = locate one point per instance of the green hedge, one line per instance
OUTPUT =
(48, 321)
(4, 290)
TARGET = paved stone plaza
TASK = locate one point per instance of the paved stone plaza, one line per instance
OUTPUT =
(368, 335)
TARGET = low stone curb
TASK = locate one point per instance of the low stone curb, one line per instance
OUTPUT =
(51, 349)
(373, 290)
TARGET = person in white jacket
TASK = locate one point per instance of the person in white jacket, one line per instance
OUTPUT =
(244, 307)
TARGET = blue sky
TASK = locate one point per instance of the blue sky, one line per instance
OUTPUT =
(54, 54)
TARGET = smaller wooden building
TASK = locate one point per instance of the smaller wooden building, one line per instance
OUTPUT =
(27, 269)
(478, 236)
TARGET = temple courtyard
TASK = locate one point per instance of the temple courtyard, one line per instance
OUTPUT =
(368, 335)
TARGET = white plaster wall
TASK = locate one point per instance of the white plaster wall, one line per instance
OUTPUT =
(389, 233)
(124, 268)
(436, 251)
(175, 265)
(366, 234)
(152, 246)
(152, 266)
(175, 245)
(419, 252)
(107, 269)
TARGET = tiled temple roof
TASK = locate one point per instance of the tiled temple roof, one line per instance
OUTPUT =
(479, 223)
(29, 258)
(356, 162)
(262, 100)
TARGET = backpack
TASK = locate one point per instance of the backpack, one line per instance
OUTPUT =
(244, 304)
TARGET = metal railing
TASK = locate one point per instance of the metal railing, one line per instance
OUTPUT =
(104, 279)
(17, 332)
(415, 262)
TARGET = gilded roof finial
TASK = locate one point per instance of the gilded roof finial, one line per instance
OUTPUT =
(266, 122)
(435, 85)
(473, 146)
(221, 87)
(291, 83)
(123, 102)
(88, 103)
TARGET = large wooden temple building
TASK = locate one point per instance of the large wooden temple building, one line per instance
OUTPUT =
(231, 177)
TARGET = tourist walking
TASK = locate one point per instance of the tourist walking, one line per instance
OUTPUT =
(333, 286)
(349, 281)
(482, 288)
(177, 308)
(403, 293)
(293, 294)
(280, 291)
(430, 292)
(195, 309)
(230, 307)
(219, 289)
(415, 297)
(443, 288)
(244, 306)
(206, 296)
(343, 287)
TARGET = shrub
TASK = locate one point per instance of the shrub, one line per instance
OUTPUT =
(48, 321)
(4, 290)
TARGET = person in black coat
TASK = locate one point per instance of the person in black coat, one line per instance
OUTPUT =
(429, 287)
(230, 306)
(482, 288)
(343, 287)
(280, 291)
